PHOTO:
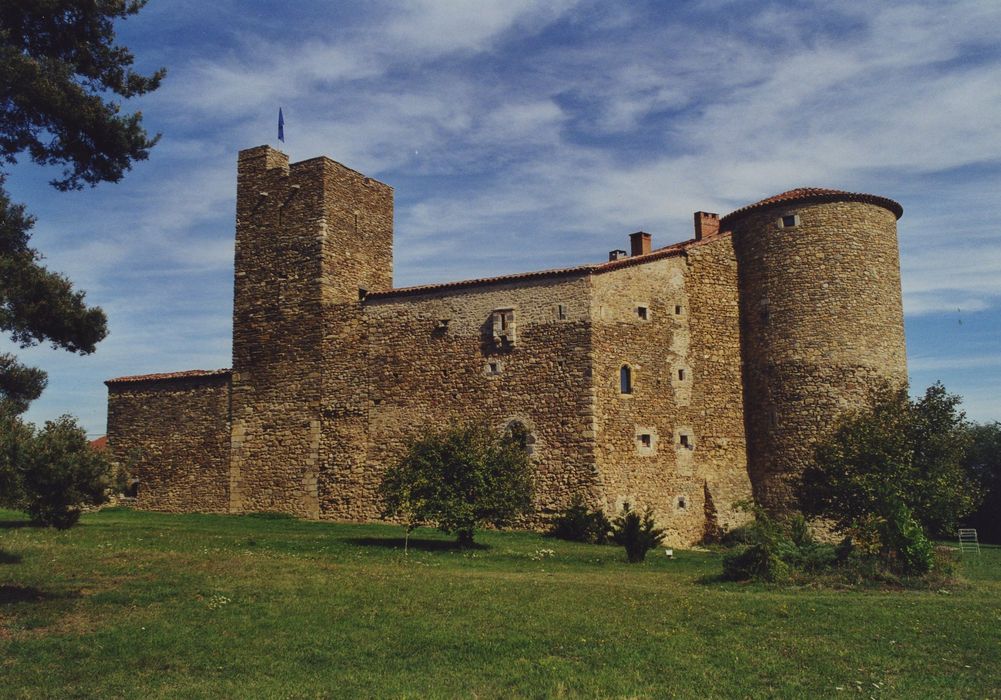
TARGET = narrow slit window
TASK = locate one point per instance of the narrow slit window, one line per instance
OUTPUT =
(681, 375)
(684, 440)
(677, 310)
(561, 312)
(626, 380)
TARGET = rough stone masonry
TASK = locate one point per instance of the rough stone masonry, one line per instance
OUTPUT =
(687, 377)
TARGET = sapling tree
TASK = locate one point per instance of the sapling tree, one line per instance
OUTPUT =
(459, 479)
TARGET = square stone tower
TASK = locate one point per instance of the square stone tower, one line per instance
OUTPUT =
(312, 238)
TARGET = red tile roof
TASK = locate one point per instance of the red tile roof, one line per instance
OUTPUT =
(800, 194)
(100, 444)
(815, 194)
(170, 375)
(579, 270)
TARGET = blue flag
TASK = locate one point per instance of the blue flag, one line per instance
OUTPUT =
(281, 125)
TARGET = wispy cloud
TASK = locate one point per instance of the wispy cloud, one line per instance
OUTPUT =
(539, 134)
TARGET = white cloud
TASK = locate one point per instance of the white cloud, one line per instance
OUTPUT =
(933, 363)
(549, 153)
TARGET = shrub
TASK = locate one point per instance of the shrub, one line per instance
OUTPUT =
(905, 546)
(742, 534)
(578, 523)
(464, 476)
(61, 473)
(756, 562)
(982, 463)
(893, 471)
(637, 534)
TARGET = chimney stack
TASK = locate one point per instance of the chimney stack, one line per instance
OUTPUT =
(616, 255)
(706, 224)
(639, 243)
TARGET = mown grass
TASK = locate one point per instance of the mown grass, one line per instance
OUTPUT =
(132, 604)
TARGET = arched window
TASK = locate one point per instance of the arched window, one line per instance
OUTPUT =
(520, 435)
(626, 380)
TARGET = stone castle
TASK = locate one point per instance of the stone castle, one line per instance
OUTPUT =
(687, 377)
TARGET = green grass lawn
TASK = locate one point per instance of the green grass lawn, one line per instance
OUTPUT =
(132, 604)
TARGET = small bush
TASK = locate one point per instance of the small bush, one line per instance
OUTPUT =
(578, 523)
(906, 545)
(637, 534)
(740, 535)
(62, 473)
(756, 562)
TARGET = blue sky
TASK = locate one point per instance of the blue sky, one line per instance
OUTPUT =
(523, 135)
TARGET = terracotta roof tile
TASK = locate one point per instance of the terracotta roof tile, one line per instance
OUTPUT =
(816, 194)
(100, 444)
(421, 288)
(581, 270)
(169, 375)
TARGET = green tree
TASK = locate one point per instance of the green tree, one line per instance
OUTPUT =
(892, 472)
(460, 478)
(60, 71)
(52, 473)
(62, 474)
(983, 465)
(14, 437)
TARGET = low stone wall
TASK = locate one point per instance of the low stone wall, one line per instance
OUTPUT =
(173, 436)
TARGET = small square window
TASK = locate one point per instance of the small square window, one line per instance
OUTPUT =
(789, 221)
(493, 368)
(646, 440)
(643, 312)
(677, 310)
(684, 440)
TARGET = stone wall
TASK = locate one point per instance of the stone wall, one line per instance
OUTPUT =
(822, 320)
(716, 409)
(173, 436)
(674, 323)
(310, 235)
(442, 356)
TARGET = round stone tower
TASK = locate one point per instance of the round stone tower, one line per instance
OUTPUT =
(821, 318)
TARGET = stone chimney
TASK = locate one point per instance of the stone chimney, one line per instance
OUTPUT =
(706, 225)
(639, 243)
(616, 255)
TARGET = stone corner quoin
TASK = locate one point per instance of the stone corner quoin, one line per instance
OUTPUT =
(686, 377)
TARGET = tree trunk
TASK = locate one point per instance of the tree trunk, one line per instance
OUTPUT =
(465, 538)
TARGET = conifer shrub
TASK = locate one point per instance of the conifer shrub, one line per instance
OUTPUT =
(578, 523)
(638, 534)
